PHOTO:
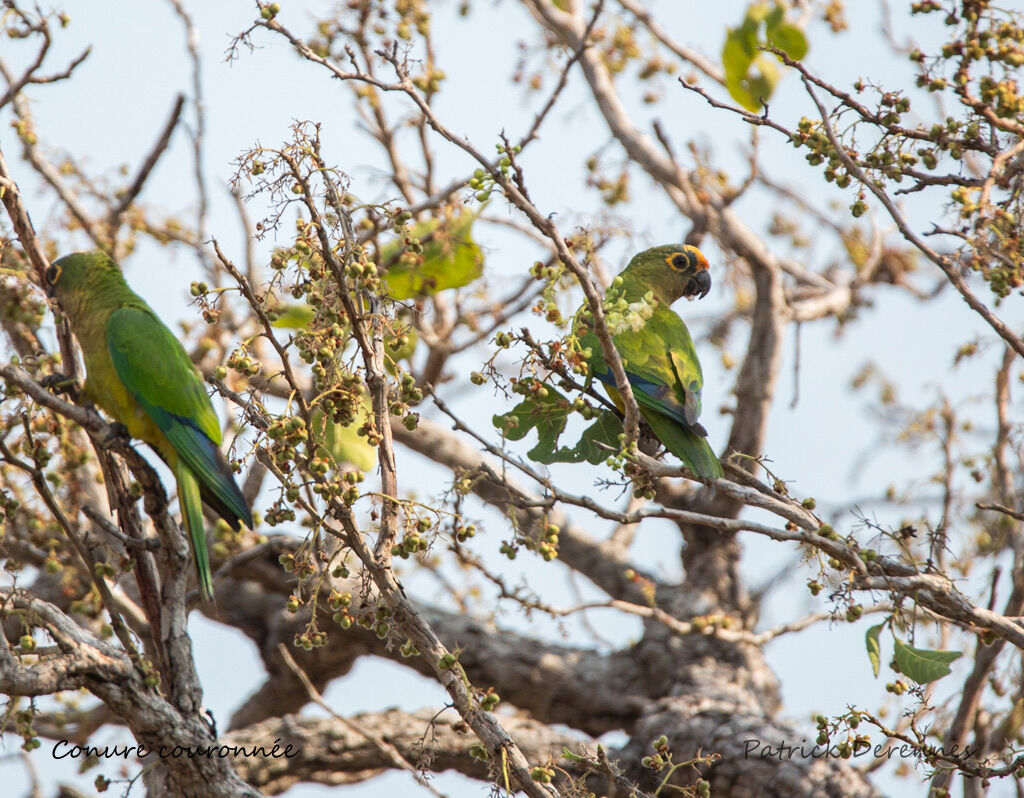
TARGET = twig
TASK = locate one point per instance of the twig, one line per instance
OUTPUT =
(192, 45)
(130, 193)
(705, 65)
(942, 261)
(10, 195)
(382, 745)
(563, 77)
(144, 544)
(999, 508)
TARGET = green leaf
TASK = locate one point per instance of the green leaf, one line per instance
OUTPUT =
(772, 17)
(762, 83)
(567, 754)
(295, 316)
(547, 414)
(737, 55)
(874, 647)
(451, 259)
(921, 664)
(754, 87)
(344, 444)
(750, 77)
(788, 38)
(597, 443)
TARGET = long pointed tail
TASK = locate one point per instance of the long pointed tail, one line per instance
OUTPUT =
(684, 443)
(192, 513)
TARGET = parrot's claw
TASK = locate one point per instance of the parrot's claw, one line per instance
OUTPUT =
(648, 443)
(211, 721)
(60, 383)
(118, 434)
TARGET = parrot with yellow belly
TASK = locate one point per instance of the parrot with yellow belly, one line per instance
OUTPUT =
(656, 349)
(140, 374)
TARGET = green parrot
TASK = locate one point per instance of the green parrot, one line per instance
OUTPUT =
(141, 375)
(656, 349)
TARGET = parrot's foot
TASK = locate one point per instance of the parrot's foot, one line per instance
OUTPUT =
(211, 721)
(118, 434)
(648, 443)
(60, 383)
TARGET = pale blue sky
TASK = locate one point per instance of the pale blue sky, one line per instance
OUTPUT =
(111, 111)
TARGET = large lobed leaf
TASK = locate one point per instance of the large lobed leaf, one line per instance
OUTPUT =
(548, 414)
(450, 258)
(921, 664)
(750, 74)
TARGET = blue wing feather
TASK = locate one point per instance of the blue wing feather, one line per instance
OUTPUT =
(656, 396)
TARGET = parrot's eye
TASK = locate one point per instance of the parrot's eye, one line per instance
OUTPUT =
(679, 261)
(52, 275)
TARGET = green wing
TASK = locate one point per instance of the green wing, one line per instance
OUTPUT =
(663, 370)
(156, 370)
(661, 361)
(661, 364)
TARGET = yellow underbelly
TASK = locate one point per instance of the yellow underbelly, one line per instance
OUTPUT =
(616, 397)
(111, 395)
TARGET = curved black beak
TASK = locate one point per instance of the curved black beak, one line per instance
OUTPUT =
(699, 285)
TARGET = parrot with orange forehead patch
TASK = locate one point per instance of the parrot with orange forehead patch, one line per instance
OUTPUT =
(656, 349)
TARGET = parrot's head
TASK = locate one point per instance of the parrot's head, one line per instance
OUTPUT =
(673, 271)
(70, 279)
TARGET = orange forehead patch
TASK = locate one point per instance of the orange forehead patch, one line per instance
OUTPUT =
(698, 256)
